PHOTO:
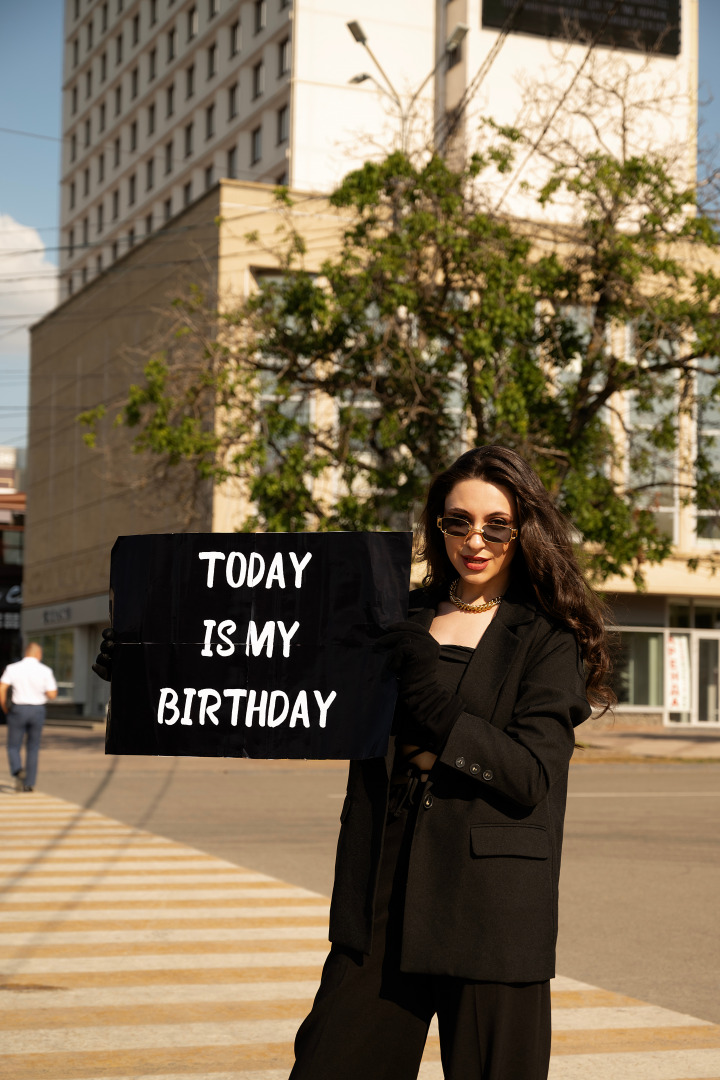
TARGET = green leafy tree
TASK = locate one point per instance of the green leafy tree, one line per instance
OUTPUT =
(335, 392)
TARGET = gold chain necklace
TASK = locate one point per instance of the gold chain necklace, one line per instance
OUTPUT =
(474, 608)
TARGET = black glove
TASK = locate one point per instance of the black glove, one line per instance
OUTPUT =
(103, 662)
(413, 655)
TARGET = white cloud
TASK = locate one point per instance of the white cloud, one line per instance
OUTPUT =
(28, 284)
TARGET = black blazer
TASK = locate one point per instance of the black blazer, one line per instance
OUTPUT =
(482, 886)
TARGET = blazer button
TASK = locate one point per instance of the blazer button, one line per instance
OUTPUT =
(474, 768)
(460, 762)
(487, 774)
(428, 801)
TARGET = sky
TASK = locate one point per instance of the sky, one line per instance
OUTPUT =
(31, 40)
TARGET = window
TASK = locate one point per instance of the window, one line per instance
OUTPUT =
(188, 140)
(133, 135)
(148, 224)
(72, 195)
(116, 152)
(258, 79)
(131, 238)
(87, 132)
(71, 243)
(103, 67)
(135, 29)
(232, 101)
(151, 119)
(638, 675)
(212, 8)
(232, 163)
(114, 250)
(70, 286)
(708, 449)
(211, 61)
(103, 18)
(101, 117)
(88, 83)
(208, 177)
(100, 218)
(190, 81)
(134, 82)
(76, 52)
(282, 179)
(118, 100)
(651, 470)
(170, 99)
(76, 9)
(57, 650)
(256, 146)
(171, 40)
(283, 124)
(260, 15)
(209, 121)
(168, 157)
(167, 209)
(187, 193)
(149, 174)
(152, 64)
(83, 275)
(116, 204)
(132, 183)
(284, 57)
(153, 12)
(73, 100)
(120, 6)
(118, 49)
(235, 38)
(86, 231)
(284, 4)
(89, 35)
(192, 23)
(86, 182)
(73, 147)
(101, 168)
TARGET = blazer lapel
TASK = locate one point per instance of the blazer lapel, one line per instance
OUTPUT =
(495, 656)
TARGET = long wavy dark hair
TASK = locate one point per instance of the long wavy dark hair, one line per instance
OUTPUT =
(545, 564)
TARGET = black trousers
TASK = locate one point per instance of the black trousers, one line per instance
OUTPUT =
(370, 1020)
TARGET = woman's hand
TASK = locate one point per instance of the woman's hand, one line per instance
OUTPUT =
(413, 655)
(103, 661)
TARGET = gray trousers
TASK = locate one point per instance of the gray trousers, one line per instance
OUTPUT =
(25, 722)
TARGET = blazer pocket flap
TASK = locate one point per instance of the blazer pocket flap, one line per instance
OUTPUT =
(513, 841)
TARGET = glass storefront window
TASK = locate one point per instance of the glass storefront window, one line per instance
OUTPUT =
(58, 650)
(11, 547)
(639, 672)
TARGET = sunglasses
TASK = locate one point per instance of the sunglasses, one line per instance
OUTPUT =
(491, 533)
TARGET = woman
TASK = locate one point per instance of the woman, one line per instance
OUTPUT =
(445, 895)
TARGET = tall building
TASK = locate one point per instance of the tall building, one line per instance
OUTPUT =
(161, 98)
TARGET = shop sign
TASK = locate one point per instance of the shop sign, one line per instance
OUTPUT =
(678, 665)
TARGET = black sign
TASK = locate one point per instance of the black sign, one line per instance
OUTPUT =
(637, 24)
(262, 646)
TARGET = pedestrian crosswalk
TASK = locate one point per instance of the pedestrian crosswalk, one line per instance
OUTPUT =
(126, 956)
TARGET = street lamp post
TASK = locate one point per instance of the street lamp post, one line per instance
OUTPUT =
(453, 42)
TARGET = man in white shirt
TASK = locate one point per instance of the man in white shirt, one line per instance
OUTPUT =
(32, 684)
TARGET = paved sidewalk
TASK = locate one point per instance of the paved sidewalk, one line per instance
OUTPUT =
(603, 740)
(128, 956)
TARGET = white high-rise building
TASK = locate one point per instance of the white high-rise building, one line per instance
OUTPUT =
(161, 98)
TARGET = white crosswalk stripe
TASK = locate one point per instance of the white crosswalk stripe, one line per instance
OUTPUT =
(125, 956)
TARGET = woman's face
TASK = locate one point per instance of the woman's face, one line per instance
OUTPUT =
(484, 567)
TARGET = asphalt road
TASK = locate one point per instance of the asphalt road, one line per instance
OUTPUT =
(641, 869)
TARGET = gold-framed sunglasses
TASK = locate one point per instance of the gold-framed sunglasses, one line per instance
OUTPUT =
(462, 529)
